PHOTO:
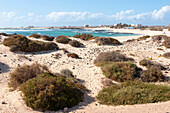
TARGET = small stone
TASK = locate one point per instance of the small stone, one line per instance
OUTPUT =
(4, 102)
(65, 110)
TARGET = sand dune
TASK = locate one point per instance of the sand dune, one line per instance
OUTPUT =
(85, 70)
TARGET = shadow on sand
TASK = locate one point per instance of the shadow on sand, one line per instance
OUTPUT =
(4, 68)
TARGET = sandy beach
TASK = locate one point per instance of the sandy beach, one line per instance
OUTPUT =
(85, 70)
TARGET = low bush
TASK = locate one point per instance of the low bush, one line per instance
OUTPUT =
(166, 43)
(75, 43)
(156, 29)
(26, 45)
(143, 38)
(35, 36)
(133, 92)
(110, 57)
(159, 38)
(148, 63)
(24, 73)
(3, 34)
(120, 71)
(84, 36)
(48, 38)
(62, 39)
(166, 55)
(73, 55)
(131, 40)
(51, 92)
(153, 74)
(106, 41)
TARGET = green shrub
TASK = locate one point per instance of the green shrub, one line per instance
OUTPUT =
(73, 55)
(23, 73)
(84, 36)
(133, 92)
(26, 45)
(153, 74)
(51, 92)
(120, 71)
(75, 43)
(62, 39)
(166, 55)
(106, 41)
(35, 36)
(110, 57)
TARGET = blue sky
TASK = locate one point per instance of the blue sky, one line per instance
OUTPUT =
(79, 12)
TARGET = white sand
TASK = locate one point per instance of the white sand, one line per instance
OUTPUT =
(85, 70)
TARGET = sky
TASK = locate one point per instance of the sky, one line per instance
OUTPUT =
(22, 13)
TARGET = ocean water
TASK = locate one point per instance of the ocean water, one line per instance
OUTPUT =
(66, 32)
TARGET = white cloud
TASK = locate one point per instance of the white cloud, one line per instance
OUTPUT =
(73, 16)
(7, 14)
(160, 14)
(123, 14)
(30, 14)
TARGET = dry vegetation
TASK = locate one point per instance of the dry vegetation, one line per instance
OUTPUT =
(73, 55)
(75, 43)
(106, 41)
(110, 57)
(62, 39)
(24, 73)
(84, 36)
(166, 55)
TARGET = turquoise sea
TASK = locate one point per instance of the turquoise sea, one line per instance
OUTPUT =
(66, 32)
